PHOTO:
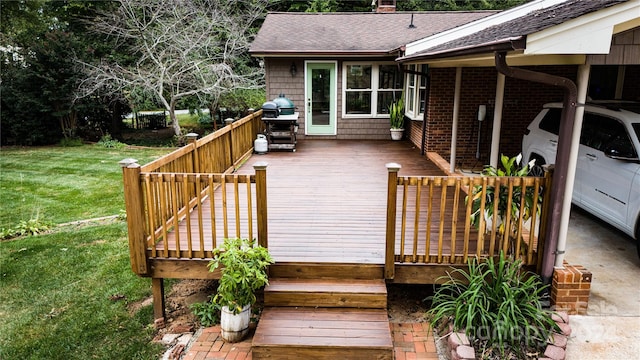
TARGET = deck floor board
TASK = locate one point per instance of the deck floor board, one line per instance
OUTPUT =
(326, 203)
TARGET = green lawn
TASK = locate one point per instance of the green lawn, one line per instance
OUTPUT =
(65, 295)
(62, 184)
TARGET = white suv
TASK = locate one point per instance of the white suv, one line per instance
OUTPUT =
(607, 182)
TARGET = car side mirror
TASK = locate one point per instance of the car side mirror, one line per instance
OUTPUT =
(617, 153)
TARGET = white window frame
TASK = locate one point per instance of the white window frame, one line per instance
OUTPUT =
(414, 113)
(375, 78)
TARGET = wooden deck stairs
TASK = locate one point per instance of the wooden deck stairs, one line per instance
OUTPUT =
(324, 314)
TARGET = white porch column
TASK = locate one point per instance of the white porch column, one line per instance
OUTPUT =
(497, 121)
(582, 83)
(454, 126)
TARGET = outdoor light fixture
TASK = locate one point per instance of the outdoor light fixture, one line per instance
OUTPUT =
(293, 70)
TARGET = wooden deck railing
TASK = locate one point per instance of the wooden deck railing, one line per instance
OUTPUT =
(161, 196)
(429, 220)
(218, 152)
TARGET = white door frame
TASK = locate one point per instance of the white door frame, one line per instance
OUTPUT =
(333, 109)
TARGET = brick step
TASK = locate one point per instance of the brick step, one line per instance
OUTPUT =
(343, 293)
(326, 271)
(322, 333)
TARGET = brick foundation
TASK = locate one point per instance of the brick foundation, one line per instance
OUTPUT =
(570, 289)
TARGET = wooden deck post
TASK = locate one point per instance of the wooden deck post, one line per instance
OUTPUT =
(157, 290)
(134, 206)
(392, 191)
(261, 203)
(192, 138)
(544, 218)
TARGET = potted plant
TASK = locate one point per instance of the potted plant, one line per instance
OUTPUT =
(396, 118)
(243, 265)
(510, 167)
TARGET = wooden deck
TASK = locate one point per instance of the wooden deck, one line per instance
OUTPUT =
(326, 201)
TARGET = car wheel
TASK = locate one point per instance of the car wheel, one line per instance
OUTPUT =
(536, 169)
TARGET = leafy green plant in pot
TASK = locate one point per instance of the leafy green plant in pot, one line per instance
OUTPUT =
(396, 118)
(243, 265)
(511, 167)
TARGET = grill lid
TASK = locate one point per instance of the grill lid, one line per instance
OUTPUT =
(285, 105)
(270, 110)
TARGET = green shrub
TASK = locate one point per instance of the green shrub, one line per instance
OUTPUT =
(498, 306)
(204, 119)
(29, 227)
(208, 312)
(108, 142)
(71, 142)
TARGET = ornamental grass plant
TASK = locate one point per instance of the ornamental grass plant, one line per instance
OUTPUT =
(498, 306)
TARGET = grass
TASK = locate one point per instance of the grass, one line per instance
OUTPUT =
(63, 184)
(65, 294)
(55, 300)
(188, 120)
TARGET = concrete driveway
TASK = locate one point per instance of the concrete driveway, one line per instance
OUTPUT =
(611, 328)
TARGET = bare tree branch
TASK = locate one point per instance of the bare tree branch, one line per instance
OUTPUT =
(183, 48)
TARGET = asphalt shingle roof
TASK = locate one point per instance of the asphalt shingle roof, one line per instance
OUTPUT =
(331, 33)
(531, 23)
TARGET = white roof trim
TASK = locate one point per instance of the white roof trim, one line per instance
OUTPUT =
(588, 34)
(478, 25)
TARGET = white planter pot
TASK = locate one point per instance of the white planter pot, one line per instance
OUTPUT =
(235, 327)
(396, 134)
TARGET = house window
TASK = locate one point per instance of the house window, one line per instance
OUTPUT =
(415, 92)
(370, 88)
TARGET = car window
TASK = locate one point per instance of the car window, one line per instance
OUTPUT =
(601, 132)
(636, 128)
(551, 121)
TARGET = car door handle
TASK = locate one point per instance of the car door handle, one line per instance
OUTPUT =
(591, 157)
(554, 142)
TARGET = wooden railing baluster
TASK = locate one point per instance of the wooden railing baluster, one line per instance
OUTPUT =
(443, 206)
(454, 220)
(467, 224)
(199, 209)
(185, 199)
(225, 215)
(249, 208)
(176, 211)
(403, 219)
(416, 222)
(237, 204)
(212, 210)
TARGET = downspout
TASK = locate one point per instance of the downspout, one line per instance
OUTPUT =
(562, 155)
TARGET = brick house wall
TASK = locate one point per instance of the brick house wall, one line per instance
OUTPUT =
(279, 80)
(522, 102)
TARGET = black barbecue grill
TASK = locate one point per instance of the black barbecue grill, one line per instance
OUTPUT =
(281, 123)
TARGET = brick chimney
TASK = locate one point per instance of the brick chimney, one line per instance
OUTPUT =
(386, 6)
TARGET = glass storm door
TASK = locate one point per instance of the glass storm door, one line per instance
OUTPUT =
(320, 96)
